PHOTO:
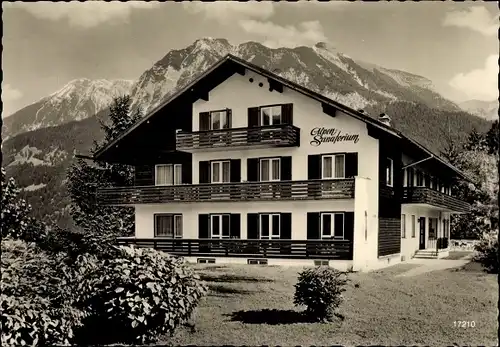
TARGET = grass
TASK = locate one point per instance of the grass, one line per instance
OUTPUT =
(253, 305)
(455, 255)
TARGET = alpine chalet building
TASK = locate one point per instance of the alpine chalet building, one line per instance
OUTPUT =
(243, 166)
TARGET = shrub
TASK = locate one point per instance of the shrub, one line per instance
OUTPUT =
(37, 297)
(139, 294)
(320, 290)
(486, 252)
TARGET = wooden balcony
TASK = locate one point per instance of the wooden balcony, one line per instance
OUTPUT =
(283, 135)
(298, 249)
(241, 191)
(425, 195)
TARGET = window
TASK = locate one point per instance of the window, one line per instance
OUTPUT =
(167, 175)
(270, 115)
(219, 120)
(219, 226)
(420, 179)
(403, 226)
(269, 226)
(389, 172)
(220, 171)
(333, 166)
(412, 225)
(168, 225)
(270, 169)
(332, 226)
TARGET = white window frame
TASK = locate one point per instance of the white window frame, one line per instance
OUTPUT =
(270, 160)
(333, 157)
(220, 112)
(220, 234)
(174, 169)
(271, 217)
(177, 234)
(389, 183)
(270, 108)
(221, 171)
(332, 226)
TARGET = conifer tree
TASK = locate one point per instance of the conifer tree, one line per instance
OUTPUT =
(15, 216)
(102, 224)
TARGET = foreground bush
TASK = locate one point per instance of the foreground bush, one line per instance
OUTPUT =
(486, 252)
(138, 295)
(36, 297)
(320, 290)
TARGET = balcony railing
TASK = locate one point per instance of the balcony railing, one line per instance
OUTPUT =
(283, 135)
(424, 195)
(241, 191)
(299, 249)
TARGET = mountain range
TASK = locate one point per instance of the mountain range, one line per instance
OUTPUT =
(42, 138)
(484, 109)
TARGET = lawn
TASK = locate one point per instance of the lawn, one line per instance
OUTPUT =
(253, 305)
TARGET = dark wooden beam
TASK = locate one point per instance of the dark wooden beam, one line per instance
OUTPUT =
(329, 109)
(275, 85)
(204, 96)
(240, 70)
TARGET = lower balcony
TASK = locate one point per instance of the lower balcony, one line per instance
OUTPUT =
(294, 249)
(240, 191)
(428, 196)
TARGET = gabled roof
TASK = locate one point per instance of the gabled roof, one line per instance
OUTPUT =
(287, 83)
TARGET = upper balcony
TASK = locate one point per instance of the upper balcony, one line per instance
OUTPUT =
(428, 196)
(282, 135)
(228, 192)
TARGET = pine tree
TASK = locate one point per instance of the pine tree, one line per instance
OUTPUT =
(102, 224)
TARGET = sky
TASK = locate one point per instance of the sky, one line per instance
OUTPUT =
(48, 44)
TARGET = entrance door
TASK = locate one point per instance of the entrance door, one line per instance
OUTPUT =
(422, 233)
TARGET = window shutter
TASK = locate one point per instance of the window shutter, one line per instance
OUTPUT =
(286, 168)
(144, 175)
(313, 225)
(235, 230)
(287, 113)
(252, 169)
(313, 166)
(187, 173)
(229, 118)
(253, 226)
(339, 228)
(286, 226)
(253, 117)
(204, 172)
(351, 165)
(349, 225)
(203, 226)
(235, 170)
(204, 121)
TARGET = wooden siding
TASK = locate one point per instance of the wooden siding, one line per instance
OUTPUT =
(296, 249)
(244, 191)
(390, 198)
(389, 240)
